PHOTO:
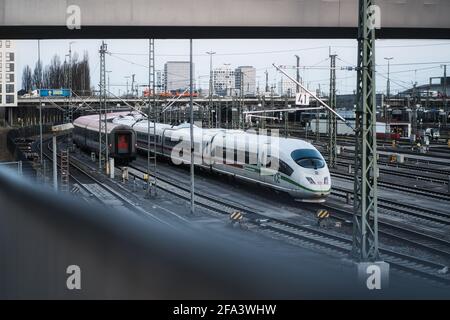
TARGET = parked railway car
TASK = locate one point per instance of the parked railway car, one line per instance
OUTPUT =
(300, 169)
(392, 135)
(121, 138)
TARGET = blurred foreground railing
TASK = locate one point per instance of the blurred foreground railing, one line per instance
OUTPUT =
(122, 255)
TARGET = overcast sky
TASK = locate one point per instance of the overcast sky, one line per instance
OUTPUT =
(414, 60)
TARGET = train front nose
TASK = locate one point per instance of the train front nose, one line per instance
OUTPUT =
(316, 184)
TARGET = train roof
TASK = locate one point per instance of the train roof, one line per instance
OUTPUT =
(140, 124)
(92, 121)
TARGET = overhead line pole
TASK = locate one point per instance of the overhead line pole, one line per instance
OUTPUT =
(365, 221)
(388, 96)
(103, 51)
(267, 81)
(332, 130)
(40, 103)
(211, 53)
(191, 71)
(445, 95)
(298, 72)
(151, 188)
(314, 96)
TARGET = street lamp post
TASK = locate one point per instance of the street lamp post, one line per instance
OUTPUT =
(211, 53)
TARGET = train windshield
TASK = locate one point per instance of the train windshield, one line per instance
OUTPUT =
(123, 143)
(308, 158)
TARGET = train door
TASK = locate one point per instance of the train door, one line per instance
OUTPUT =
(265, 159)
(208, 152)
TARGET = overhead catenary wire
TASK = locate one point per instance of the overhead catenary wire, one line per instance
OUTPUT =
(315, 66)
(287, 50)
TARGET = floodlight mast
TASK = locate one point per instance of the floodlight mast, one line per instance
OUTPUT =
(314, 96)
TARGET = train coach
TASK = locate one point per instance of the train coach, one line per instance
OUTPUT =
(300, 169)
(121, 138)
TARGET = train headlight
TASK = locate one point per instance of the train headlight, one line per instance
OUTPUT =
(325, 180)
(310, 180)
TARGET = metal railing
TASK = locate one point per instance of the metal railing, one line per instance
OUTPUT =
(122, 255)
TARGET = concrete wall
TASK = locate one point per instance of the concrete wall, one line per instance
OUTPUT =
(273, 13)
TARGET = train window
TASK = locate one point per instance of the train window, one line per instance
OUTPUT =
(251, 158)
(123, 143)
(168, 142)
(308, 158)
(285, 168)
(140, 137)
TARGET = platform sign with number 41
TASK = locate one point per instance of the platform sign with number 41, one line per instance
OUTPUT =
(302, 99)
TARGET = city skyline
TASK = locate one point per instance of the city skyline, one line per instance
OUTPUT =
(412, 60)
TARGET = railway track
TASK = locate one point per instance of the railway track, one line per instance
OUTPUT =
(402, 208)
(84, 177)
(404, 188)
(443, 162)
(432, 244)
(401, 165)
(302, 233)
(419, 173)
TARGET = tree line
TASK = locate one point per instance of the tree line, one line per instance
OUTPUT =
(57, 75)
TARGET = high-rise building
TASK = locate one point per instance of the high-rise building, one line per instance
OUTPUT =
(177, 75)
(223, 80)
(8, 90)
(160, 82)
(246, 75)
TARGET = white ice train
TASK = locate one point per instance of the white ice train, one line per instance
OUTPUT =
(287, 165)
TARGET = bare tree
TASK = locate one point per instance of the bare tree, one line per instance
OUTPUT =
(56, 75)
(27, 79)
(37, 75)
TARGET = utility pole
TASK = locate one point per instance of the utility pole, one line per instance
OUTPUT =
(191, 103)
(298, 72)
(332, 122)
(211, 88)
(102, 107)
(365, 221)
